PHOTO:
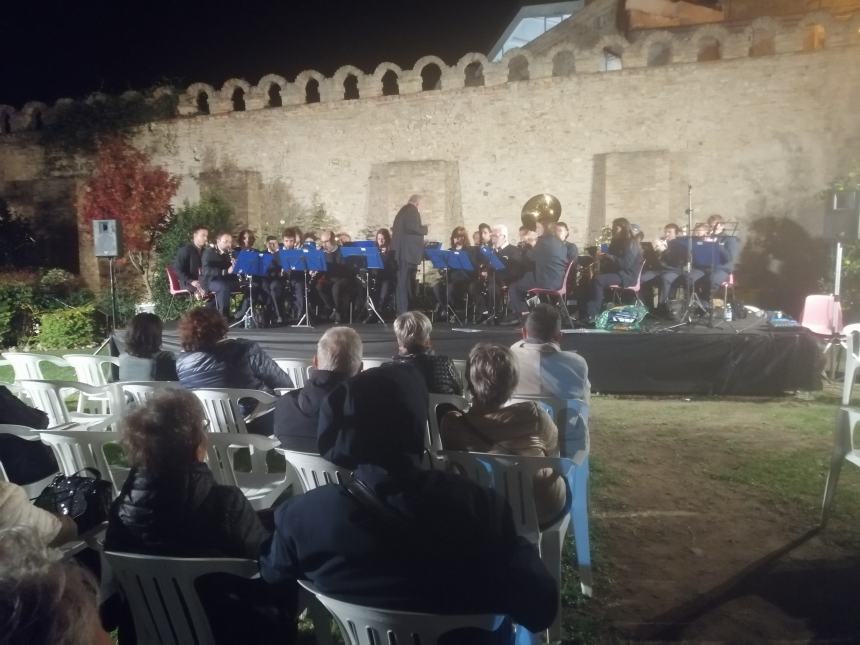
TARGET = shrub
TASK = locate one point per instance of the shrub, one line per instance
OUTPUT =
(17, 306)
(64, 328)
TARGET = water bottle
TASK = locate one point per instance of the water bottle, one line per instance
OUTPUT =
(727, 312)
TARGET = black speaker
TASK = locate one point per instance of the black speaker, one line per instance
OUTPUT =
(106, 238)
(842, 216)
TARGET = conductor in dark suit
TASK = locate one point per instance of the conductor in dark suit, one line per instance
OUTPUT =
(407, 242)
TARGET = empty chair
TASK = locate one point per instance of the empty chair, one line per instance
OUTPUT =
(174, 287)
(90, 369)
(851, 344)
(76, 450)
(32, 488)
(297, 369)
(513, 477)
(361, 625)
(222, 409)
(261, 487)
(27, 365)
(843, 450)
(127, 395)
(50, 397)
(314, 471)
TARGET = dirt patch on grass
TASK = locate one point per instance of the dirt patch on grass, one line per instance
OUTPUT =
(701, 515)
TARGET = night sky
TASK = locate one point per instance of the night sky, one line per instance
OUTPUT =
(58, 48)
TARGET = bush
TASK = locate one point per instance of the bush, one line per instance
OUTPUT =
(17, 307)
(211, 211)
(64, 328)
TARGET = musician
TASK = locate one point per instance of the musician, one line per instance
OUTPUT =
(549, 259)
(511, 256)
(485, 235)
(563, 233)
(293, 281)
(458, 279)
(189, 259)
(671, 258)
(619, 265)
(217, 272)
(272, 284)
(338, 285)
(407, 242)
(249, 284)
(384, 280)
(726, 254)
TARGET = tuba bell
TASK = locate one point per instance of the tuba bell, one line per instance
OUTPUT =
(543, 208)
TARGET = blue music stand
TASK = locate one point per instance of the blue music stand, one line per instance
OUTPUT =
(370, 252)
(307, 258)
(253, 264)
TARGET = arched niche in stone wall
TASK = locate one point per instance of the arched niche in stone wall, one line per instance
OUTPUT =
(815, 29)
(518, 63)
(34, 115)
(656, 49)
(164, 93)
(563, 61)
(310, 85)
(707, 43)
(233, 96)
(431, 72)
(473, 70)
(611, 53)
(346, 83)
(7, 116)
(762, 36)
(199, 96)
(271, 90)
(385, 80)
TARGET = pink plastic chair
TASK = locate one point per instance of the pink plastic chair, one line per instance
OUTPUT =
(822, 315)
(617, 289)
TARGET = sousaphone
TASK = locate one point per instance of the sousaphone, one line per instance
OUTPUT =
(543, 208)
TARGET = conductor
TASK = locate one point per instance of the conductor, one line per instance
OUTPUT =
(407, 242)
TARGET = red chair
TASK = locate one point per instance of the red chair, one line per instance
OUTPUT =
(174, 287)
(557, 296)
(617, 289)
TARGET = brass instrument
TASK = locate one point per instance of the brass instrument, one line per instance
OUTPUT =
(543, 208)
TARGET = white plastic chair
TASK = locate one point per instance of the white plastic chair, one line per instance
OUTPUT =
(28, 365)
(513, 477)
(361, 625)
(433, 439)
(297, 369)
(164, 602)
(851, 344)
(314, 471)
(261, 487)
(369, 363)
(26, 434)
(221, 406)
(843, 450)
(50, 397)
(76, 450)
(90, 369)
(127, 395)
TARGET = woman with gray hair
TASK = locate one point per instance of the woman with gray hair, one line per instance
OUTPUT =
(412, 331)
(491, 426)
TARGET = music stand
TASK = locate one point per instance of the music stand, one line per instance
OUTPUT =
(438, 259)
(250, 263)
(496, 265)
(457, 260)
(304, 259)
(370, 252)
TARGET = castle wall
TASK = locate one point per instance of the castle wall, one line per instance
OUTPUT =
(754, 136)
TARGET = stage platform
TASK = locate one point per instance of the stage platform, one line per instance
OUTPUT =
(745, 357)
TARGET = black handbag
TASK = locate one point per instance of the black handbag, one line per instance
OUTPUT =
(86, 499)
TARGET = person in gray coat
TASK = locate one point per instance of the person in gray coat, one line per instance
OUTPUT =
(407, 242)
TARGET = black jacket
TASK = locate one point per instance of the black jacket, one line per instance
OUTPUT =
(454, 549)
(512, 257)
(623, 259)
(190, 517)
(24, 461)
(214, 265)
(188, 261)
(439, 372)
(236, 363)
(407, 235)
(297, 412)
(550, 261)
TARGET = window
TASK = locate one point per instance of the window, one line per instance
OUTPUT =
(390, 84)
(518, 69)
(563, 64)
(350, 87)
(238, 99)
(203, 102)
(312, 91)
(474, 75)
(431, 77)
(275, 99)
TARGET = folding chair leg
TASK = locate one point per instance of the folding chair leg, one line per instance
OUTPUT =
(550, 551)
(579, 516)
(841, 447)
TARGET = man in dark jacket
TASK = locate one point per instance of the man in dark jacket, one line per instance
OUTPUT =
(397, 536)
(217, 272)
(338, 358)
(549, 257)
(407, 242)
(189, 259)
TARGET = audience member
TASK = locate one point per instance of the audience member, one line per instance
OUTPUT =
(24, 461)
(43, 600)
(397, 536)
(546, 370)
(16, 510)
(518, 429)
(412, 332)
(338, 358)
(170, 505)
(143, 359)
(209, 359)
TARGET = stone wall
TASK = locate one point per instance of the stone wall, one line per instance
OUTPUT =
(755, 136)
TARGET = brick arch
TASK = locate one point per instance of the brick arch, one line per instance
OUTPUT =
(658, 48)
(380, 73)
(163, 90)
(192, 95)
(815, 29)
(823, 18)
(340, 77)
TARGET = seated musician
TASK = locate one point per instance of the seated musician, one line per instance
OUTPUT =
(548, 256)
(383, 281)
(292, 282)
(563, 233)
(272, 284)
(338, 286)
(726, 255)
(490, 303)
(619, 265)
(670, 260)
(251, 285)
(216, 273)
(189, 259)
(458, 280)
